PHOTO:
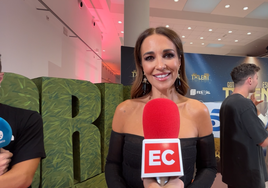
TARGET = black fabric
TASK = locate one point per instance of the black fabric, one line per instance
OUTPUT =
(27, 130)
(113, 167)
(205, 163)
(123, 166)
(231, 186)
(241, 132)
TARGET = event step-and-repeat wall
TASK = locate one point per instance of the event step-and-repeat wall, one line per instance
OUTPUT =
(209, 79)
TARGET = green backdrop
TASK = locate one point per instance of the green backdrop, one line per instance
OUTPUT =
(77, 118)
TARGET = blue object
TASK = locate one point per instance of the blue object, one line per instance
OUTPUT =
(215, 119)
(5, 133)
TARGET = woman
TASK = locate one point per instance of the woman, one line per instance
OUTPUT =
(161, 73)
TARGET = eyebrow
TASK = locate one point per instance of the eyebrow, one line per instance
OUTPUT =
(166, 50)
(151, 52)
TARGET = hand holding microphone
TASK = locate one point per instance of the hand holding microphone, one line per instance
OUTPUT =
(174, 182)
(161, 152)
(5, 158)
(5, 138)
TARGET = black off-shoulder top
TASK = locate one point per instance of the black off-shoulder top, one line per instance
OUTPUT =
(123, 166)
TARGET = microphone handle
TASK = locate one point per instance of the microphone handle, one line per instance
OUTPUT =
(162, 180)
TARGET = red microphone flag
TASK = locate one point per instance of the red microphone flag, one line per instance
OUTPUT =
(161, 154)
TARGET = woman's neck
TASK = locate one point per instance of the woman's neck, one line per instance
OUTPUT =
(171, 94)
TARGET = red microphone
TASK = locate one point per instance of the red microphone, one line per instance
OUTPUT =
(161, 152)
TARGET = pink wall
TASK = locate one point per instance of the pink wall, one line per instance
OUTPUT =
(33, 43)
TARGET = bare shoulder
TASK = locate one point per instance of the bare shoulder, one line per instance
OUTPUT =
(124, 106)
(123, 112)
(197, 108)
(201, 116)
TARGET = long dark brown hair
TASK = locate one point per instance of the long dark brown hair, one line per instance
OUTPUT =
(136, 89)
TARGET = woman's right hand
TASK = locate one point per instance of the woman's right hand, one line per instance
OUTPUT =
(174, 182)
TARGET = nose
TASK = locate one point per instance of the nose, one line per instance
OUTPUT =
(160, 65)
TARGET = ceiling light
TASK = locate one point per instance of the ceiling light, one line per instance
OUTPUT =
(191, 42)
(176, 0)
(203, 43)
(183, 36)
(167, 25)
(249, 33)
(189, 28)
(103, 50)
(229, 31)
(245, 8)
(122, 31)
(210, 30)
(119, 22)
(219, 39)
(227, 6)
(236, 40)
(201, 37)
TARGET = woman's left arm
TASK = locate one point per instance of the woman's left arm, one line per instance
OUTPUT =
(205, 159)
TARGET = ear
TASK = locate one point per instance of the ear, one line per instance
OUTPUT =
(180, 60)
(1, 76)
(249, 80)
(142, 70)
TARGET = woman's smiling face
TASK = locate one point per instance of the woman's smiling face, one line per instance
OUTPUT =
(160, 61)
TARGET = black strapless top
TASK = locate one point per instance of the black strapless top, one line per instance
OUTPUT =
(131, 166)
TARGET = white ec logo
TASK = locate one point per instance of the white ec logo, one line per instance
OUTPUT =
(1, 135)
(155, 155)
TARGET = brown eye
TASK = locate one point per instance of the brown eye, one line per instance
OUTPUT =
(169, 55)
(149, 58)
